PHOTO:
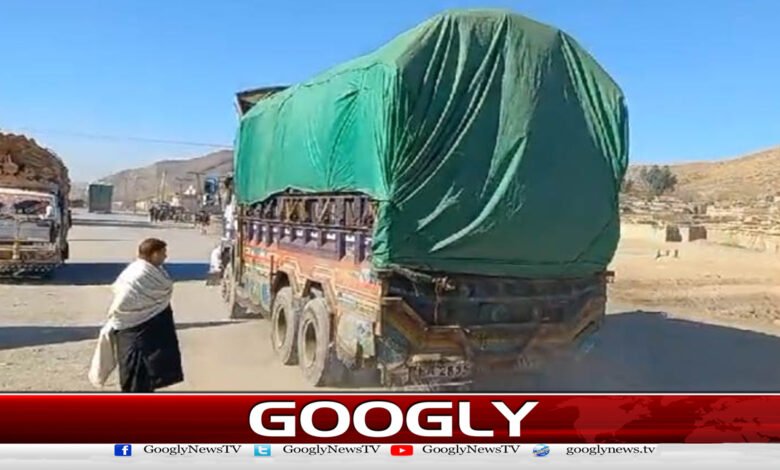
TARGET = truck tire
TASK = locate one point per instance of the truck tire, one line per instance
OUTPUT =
(235, 311)
(284, 327)
(316, 356)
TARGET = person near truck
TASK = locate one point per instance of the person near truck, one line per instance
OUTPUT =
(48, 212)
(50, 216)
(204, 219)
(140, 335)
(229, 220)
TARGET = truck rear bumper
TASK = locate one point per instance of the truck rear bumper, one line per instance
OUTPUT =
(28, 259)
(411, 351)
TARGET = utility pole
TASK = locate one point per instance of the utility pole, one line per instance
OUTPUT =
(180, 185)
(198, 183)
(162, 188)
(135, 193)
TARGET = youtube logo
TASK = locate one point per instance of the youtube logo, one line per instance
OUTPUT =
(401, 450)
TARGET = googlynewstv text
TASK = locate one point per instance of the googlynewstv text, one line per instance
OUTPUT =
(388, 418)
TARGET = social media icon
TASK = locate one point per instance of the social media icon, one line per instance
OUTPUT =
(123, 450)
(401, 450)
(541, 450)
(262, 450)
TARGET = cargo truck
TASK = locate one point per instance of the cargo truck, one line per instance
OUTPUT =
(34, 212)
(100, 197)
(438, 211)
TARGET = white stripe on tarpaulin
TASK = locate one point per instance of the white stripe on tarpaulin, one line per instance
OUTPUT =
(99, 456)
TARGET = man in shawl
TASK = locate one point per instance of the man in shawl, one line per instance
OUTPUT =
(140, 335)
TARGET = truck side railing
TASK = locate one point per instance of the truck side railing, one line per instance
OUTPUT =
(332, 226)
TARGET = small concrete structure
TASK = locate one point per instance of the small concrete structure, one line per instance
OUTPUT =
(695, 232)
(673, 234)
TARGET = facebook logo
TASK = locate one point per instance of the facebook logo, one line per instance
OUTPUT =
(262, 450)
(123, 450)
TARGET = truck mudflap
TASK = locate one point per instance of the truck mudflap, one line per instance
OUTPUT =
(560, 321)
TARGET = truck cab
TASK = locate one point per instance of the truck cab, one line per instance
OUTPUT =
(32, 224)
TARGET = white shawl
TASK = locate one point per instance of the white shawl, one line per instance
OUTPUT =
(141, 291)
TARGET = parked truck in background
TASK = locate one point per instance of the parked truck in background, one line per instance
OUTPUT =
(100, 198)
(34, 212)
(438, 211)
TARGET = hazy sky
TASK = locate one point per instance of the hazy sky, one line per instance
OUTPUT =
(700, 76)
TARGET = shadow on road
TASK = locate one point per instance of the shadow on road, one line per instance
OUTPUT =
(12, 337)
(650, 352)
(635, 352)
(91, 274)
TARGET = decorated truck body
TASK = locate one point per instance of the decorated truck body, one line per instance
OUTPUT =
(442, 209)
(34, 212)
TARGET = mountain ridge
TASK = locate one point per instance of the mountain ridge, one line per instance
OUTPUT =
(143, 183)
(748, 177)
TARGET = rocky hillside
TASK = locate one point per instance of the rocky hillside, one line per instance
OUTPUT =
(144, 183)
(740, 179)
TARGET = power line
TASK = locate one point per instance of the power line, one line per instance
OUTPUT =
(86, 135)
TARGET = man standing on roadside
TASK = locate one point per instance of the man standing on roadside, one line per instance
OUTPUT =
(140, 335)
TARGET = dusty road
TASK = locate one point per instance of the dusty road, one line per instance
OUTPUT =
(47, 330)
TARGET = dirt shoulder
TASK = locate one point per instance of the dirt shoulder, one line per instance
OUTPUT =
(705, 281)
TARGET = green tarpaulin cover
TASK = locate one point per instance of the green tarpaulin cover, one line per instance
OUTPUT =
(496, 145)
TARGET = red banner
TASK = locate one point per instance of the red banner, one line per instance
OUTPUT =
(383, 418)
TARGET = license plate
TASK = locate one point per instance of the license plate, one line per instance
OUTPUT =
(454, 370)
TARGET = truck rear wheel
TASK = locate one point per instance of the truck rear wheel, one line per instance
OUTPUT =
(235, 311)
(316, 357)
(284, 327)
